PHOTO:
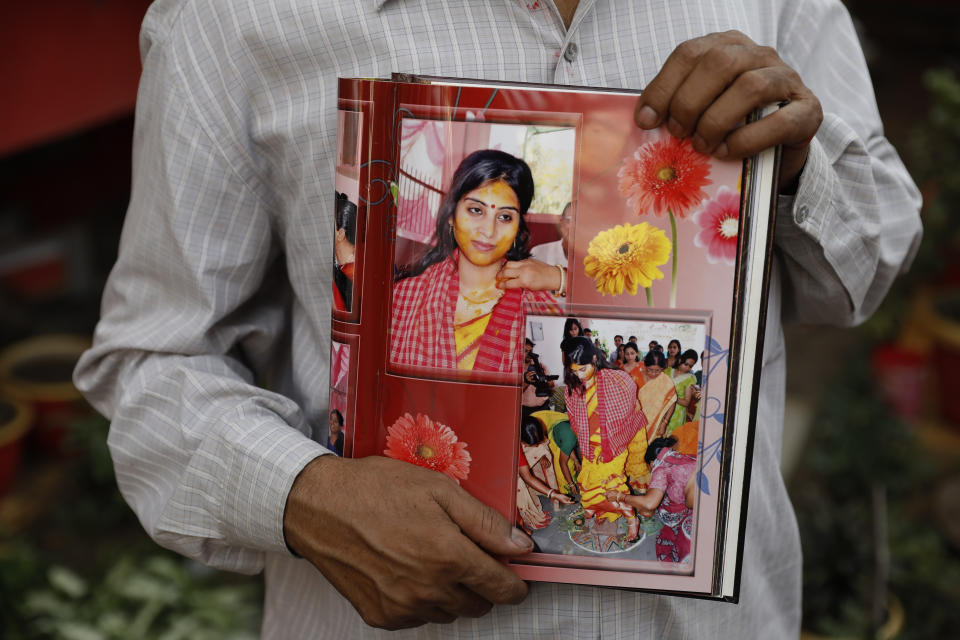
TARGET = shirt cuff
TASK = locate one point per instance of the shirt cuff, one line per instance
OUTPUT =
(826, 239)
(262, 472)
(803, 214)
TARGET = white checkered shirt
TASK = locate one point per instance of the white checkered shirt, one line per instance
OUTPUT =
(222, 285)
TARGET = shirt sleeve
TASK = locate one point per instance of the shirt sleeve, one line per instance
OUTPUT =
(854, 222)
(193, 307)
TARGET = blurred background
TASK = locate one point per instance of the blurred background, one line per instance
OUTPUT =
(872, 435)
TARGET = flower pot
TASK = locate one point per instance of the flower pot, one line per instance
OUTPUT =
(16, 419)
(38, 372)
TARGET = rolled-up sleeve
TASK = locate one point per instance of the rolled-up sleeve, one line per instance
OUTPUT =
(203, 453)
(854, 222)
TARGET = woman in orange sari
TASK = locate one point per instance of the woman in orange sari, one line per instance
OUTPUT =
(462, 306)
(631, 363)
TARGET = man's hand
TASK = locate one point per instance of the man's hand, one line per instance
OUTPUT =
(402, 543)
(709, 85)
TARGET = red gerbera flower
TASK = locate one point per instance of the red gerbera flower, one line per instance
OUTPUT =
(665, 174)
(428, 444)
(719, 223)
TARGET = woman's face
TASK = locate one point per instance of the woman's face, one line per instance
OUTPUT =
(630, 354)
(583, 371)
(486, 222)
(574, 331)
(685, 366)
(654, 371)
(334, 424)
(673, 349)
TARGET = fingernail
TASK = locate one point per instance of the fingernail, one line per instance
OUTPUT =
(675, 128)
(520, 539)
(698, 142)
(721, 151)
(647, 118)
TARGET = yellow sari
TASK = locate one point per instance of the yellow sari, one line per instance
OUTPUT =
(596, 476)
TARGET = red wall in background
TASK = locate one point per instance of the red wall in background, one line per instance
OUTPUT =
(66, 65)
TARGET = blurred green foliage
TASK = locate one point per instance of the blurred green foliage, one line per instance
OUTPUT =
(87, 571)
(934, 162)
(858, 448)
(856, 445)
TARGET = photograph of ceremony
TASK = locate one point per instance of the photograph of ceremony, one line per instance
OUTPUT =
(609, 434)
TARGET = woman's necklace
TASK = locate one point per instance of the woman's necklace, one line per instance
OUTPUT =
(476, 302)
(482, 296)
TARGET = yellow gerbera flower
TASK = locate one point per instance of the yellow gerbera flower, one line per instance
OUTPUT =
(625, 257)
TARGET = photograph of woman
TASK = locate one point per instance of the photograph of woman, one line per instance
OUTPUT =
(602, 407)
(658, 394)
(335, 440)
(572, 328)
(670, 497)
(673, 352)
(538, 477)
(344, 252)
(686, 385)
(460, 306)
(631, 363)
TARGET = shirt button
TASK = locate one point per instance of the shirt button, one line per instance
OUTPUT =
(570, 53)
(802, 213)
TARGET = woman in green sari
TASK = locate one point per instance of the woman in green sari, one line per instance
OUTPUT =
(686, 385)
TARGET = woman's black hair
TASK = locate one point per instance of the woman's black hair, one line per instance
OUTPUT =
(569, 323)
(531, 431)
(345, 217)
(655, 446)
(339, 417)
(476, 170)
(580, 351)
(631, 345)
(655, 358)
(689, 354)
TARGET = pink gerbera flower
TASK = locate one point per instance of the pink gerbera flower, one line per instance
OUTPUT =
(428, 444)
(668, 174)
(719, 223)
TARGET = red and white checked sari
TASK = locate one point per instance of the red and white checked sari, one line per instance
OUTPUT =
(617, 406)
(421, 324)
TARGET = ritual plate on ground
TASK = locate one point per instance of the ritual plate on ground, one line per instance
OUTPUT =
(599, 535)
